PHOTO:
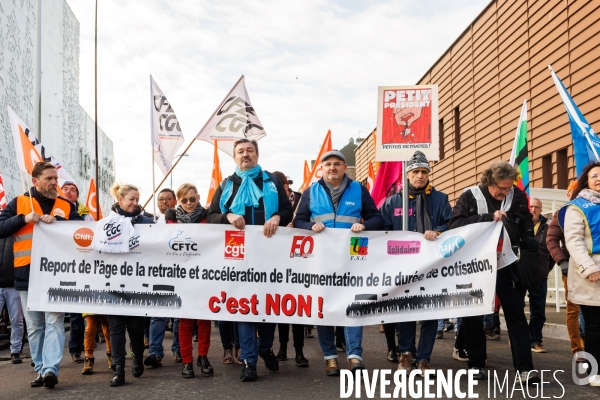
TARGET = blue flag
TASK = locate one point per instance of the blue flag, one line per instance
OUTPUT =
(586, 144)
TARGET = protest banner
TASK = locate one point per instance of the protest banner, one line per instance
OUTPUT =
(407, 119)
(216, 272)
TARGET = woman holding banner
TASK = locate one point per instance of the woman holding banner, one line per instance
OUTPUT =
(189, 211)
(580, 221)
(128, 197)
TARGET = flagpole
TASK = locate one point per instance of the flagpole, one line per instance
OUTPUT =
(404, 198)
(152, 151)
(96, 110)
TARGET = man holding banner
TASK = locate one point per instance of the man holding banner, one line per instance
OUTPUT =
(336, 201)
(45, 330)
(498, 199)
(252, 196)
(429, 213)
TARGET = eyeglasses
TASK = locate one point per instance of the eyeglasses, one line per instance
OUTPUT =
(185, 200)
(335, 164)
(503, 189)
(161, 199)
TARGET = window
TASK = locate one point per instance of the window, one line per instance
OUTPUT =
(456, 129)
(562, 179)
(441, 131)
(547, 171)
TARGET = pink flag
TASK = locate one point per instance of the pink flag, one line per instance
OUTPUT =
(389, 175)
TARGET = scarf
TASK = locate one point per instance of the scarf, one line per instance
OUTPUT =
(248, 194)
(124, 213)
(115, 234)
(183, 217)
(82, 210)
(336, 193)
(590, 195)
(420, 196)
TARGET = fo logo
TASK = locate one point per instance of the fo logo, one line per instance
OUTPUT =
(234, 245)
(83, 237)
(359, 246)
(179, 243)
(451, 245)
(302, 246)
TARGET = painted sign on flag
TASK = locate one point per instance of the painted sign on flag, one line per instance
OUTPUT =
(316, 172)
(90, 202)
(167, 137)
(234, 119)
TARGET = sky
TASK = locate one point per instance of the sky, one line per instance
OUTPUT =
(310, 66)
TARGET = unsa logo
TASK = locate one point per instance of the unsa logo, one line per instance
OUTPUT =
(451, 245)
(302, 246)
(83, 237)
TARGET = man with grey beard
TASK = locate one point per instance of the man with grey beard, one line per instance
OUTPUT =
(45, 330)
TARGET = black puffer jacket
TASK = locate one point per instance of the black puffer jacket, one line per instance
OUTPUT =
(7, 263)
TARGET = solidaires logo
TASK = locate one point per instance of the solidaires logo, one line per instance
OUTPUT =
(83, 237)
(451, 245)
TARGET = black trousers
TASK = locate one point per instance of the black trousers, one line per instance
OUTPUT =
(76, 334)
(297, 333)
(135, 327)
(591, 316)
(512, 297)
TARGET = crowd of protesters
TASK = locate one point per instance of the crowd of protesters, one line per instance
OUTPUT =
(254, 196)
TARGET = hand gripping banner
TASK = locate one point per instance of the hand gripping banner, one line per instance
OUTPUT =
(216, 272)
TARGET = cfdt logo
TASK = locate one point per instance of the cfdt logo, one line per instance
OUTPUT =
(302, 246)
(83, 237)
(179, 243)
(112, 230)
(451, 245)
(234, 245)
(359, 248)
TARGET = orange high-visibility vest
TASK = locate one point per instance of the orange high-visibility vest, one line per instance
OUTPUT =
(22, 246)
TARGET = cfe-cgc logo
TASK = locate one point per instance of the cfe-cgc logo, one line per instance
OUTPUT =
(359, 248)
(302, 246)
(83, 238)
(234, 245)
(112, 230)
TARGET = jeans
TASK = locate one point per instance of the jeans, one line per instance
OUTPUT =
(158, 326)
(135, 327)
(591, 314)
(230, 337)
(175, 348)
(581, 325)
(11, 298)
(46, 334)
(250, 345)
(76, 333)
(537, 308)
(573, 321)
(407, 334)
(353, 335)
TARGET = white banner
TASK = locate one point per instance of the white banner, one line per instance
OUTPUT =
(167, 137)
(215, 272)
(234, 119)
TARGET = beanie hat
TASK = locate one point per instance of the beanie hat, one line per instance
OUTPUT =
(418, 160)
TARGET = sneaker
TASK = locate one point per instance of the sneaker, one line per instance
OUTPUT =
(301, 361)
(77, 359)
(490, 334)
(439, 335)
(205, 368)
(595, 380)
(38, 381)
(270, 360)
(16, 358)
(88, 366)
(424, 366)
(405, 362)
(153, 361)
(188, 370)
(177, 357)
(460, 355)
(392, 356)
(331, 367)
(354, 364)
(248, 372)
(538, 348)
(529, 377)
(50, 380)
(228, 357)
(281, 354)
(480, 375)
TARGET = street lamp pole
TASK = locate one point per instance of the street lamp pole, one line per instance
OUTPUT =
(178, 155)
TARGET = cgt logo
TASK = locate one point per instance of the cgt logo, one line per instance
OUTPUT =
(359, 246)
(234, 245)
(83, 237)
(179, 243)
(302, 246)
(112, 230)
(451, 245)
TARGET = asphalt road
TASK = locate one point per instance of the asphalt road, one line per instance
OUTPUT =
(290, 382)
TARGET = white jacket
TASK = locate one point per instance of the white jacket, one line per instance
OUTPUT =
(581, 264)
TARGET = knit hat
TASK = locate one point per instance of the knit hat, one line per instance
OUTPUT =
(418, 160)
(72, 184)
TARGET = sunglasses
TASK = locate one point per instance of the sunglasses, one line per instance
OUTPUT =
(190, 199)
